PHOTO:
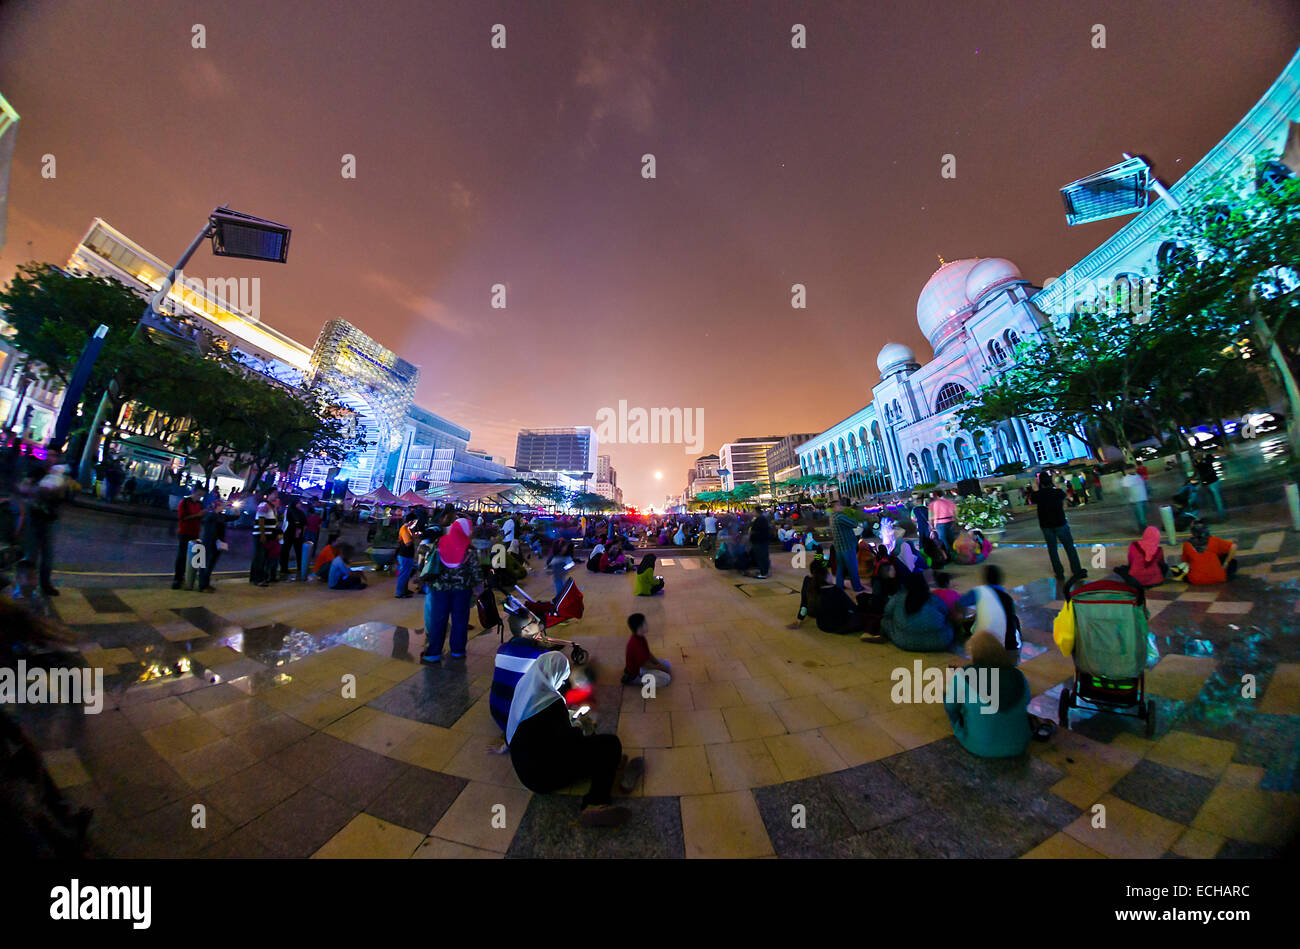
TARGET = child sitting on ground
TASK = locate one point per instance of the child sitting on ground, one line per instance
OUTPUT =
(640, 660)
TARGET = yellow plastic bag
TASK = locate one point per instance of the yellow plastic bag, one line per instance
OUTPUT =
(1063, 629)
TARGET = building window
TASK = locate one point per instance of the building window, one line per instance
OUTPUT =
(1055, 442)
(949, 395)
(1040, 454)
(1012, 338)
(997, 354)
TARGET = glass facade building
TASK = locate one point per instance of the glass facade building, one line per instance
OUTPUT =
(571, 450)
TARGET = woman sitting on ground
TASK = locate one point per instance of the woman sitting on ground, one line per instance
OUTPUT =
(1004, 733)
(613, 560)
(970, 547)
(915, 619)
(679, 539)
(646, 583)
(597, 555)
(549, 752)
(1209, 559)
(1146, 559)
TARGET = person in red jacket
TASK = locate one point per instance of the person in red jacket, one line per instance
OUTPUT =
(189, 520)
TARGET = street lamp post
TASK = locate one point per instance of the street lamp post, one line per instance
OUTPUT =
(233, 234)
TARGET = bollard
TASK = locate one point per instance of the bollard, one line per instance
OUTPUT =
(1293, 502)
(1167, 518)
(308, 552)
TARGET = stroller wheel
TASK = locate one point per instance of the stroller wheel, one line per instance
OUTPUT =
(1149, 713)
(1063, 710)
(579, 655)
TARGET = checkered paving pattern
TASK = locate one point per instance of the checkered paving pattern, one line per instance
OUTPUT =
(238, 702)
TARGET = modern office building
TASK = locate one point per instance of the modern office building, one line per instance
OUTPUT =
(744, 461)
(975, 312)
(8, 139)
(703, 476)
(570, 450)
(372, 382)
(605, 471)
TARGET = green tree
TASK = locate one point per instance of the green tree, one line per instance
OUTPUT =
(1237, 274)
(54, 313)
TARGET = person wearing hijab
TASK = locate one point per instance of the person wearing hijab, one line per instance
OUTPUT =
(549, 752)
(1146, 559)
(915, 619)
(1209, 559)
(646, 583)
(1004, 733)
(451, 576)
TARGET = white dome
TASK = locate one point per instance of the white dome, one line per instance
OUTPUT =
(951, 293)
(990, 274)
(894, 356)
(943, 302)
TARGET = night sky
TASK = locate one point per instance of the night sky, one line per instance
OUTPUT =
(522, 166)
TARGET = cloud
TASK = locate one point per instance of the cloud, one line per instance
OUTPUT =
(205, 79)
(461, 198)
(425, 307)
(619, 78)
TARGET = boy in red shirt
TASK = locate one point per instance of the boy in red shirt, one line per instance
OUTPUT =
(640, 660)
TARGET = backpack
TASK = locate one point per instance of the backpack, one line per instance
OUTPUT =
(1013, 638)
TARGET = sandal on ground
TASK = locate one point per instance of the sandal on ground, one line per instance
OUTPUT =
(603, 815)
(873, 638)
(1045, 729)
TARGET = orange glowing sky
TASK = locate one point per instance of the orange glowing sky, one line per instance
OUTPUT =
(522, 167)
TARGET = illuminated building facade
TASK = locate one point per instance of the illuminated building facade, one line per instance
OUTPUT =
(569, 450)
(744, 461)
(975, 312)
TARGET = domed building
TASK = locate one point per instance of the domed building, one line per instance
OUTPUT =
(974, 313)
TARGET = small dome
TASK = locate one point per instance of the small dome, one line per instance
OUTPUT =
(991, 273)
(894, 356)
(943, 300)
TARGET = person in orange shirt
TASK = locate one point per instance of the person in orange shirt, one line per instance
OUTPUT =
(1209, 559)
(325, 557)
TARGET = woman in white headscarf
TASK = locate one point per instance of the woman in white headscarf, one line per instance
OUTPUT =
(549, 752)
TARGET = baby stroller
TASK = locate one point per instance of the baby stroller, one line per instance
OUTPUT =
(528, 621)
(1110, 651)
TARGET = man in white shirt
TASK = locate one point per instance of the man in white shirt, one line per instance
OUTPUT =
(710, 531)
(1136, 487)
(508, 528)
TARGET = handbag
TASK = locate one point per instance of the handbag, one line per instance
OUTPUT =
(1063, 629)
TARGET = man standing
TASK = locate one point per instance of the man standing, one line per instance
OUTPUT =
(943, 512)
(1136, 486)
(1209, 477)
(189, 517)
(844, 535)
(922, 518)
(710, 532)
(408, 537)
(760, 537)
(213, 537)
(295, 529)
(1050, 501)
(264, 528)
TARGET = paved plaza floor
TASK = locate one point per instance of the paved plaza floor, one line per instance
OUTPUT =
(234, 701)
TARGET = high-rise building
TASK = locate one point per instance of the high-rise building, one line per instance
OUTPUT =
(783, 457)
(604, 470)
(703, 476)
(745, 461)
(570, 450)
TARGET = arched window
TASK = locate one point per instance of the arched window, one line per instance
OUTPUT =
(1013, 340)
(949, 395)
(997, 355)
